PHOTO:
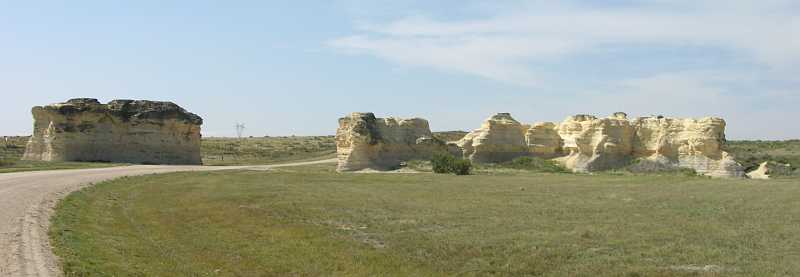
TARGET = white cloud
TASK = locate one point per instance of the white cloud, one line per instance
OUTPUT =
(504, 47)
(708, 93)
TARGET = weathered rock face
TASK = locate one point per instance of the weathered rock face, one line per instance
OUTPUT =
(581, 143)
(131, 131)
(500, 138)
(543, 140)
(686, 143)
(605, 143)
(593, 143)
(768, 169)
(366, 142)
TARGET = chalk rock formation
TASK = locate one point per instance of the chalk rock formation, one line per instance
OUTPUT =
(582, 143)
(366, 142)
(768, 169)
(687, 143)
(543, 140)
(131, 131)
(593, 143)
(500, 138)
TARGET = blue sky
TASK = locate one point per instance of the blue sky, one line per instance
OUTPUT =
(294, 67)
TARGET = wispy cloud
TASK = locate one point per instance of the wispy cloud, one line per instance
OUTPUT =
(507, 47)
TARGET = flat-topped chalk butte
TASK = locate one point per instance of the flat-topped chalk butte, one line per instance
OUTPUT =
(128, 131)
(581, 143)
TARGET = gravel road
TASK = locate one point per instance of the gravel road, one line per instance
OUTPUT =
(27, 200)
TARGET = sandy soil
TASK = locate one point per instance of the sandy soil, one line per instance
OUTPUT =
(27, 200)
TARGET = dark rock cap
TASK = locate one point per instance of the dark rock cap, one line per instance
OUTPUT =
(128, 110)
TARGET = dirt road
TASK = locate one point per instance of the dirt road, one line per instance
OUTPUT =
(27, 200)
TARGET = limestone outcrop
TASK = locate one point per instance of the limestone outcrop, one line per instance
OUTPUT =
(130, 131)
(592, 143)
(500, 138)
(581, 143)
(686, 143)
(606, 143)
(768, 169)
(366, 142)
(543, 140)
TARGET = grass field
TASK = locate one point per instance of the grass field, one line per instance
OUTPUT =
(266, 150)
(751, 153)
(12, 148)
(311, 221)
(19, 166)
(11, 151)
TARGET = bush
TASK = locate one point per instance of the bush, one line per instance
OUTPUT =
(535, 164)
(446, 163)
(440, 163)
(461, 167)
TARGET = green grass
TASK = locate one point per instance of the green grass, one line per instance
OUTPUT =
(752, 153)
(449, 135)
(311, 221)
(534, 164)
(13, 148)
(19, 166)
(11, 152)
(266, 150)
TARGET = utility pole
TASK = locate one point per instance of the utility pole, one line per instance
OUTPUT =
(239, 129)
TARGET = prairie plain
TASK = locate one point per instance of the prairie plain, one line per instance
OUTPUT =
(309, 221)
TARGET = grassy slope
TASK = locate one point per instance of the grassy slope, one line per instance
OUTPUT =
(312, 221)
(13, 149)
(231, 151)
(751, 153)
(450, 135)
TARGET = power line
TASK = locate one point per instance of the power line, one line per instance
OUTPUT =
(239, 129)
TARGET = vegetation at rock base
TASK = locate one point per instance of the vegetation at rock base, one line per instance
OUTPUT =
(311, 221)
(644, 166)
(446, 163)
(535, 164)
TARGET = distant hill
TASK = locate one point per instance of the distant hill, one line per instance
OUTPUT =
(450, 135)
(750, 153)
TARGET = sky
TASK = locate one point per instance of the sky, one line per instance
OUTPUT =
(295, 67)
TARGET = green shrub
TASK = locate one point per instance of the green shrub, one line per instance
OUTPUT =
(446, 163)
(440, 163)
(461, 167)
(534, 164)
